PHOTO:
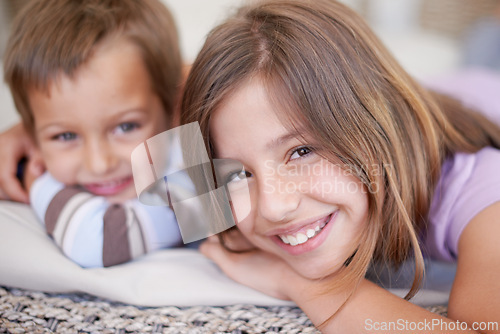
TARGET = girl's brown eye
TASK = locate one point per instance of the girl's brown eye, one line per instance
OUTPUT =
(303, 151)
(300, 152)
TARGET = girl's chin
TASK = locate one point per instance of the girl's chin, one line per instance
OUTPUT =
(313, 274)
(316, 269)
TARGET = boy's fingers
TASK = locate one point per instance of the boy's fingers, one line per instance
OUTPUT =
(34, 169)
(3, 195)
(11, 188)
(9, 183)
(14, 144)
(36, 165)
(15, 192)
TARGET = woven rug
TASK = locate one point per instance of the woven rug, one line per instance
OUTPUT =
(23, 311)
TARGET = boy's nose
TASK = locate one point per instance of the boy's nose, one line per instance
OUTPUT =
(100, 158)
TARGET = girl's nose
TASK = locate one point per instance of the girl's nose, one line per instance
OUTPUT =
(278, 199)
(100, 158)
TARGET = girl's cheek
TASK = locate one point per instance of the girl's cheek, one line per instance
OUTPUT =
(318, 187)
(243, 226)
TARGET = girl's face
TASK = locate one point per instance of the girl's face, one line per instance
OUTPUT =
(304, 209)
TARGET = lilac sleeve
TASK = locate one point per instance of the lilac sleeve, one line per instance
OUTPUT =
(481, 190)
(469, 183)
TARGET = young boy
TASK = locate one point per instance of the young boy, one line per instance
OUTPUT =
(92, 80)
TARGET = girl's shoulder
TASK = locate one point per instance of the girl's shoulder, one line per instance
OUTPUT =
(469, 183)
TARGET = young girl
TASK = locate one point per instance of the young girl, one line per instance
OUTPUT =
(348, 162)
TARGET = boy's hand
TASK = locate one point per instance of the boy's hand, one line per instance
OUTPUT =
(33, 169)
(15, 144)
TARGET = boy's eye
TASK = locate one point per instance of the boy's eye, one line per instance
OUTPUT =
(300, 152)
(127, 127)
(65, 136)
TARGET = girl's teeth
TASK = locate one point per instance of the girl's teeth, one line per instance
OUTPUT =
(284, 239)
(301, 237)
(293, 241)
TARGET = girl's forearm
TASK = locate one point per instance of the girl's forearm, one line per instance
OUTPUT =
(370, 309)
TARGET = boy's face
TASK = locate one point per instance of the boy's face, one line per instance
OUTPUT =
(88, 125)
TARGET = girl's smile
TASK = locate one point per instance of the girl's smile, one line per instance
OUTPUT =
(303, 208)
(307, 237)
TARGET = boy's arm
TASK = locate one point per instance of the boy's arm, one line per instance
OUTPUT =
(94, 233)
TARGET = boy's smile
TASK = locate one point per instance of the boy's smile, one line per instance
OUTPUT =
(88, 124)
(109, 188)
(304, 209)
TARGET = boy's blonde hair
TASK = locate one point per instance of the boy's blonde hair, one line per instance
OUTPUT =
(325, 69)
(53, 37)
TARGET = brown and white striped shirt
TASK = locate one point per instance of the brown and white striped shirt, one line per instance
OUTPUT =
(95, 233)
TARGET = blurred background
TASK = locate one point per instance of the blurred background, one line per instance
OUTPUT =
(430, 38)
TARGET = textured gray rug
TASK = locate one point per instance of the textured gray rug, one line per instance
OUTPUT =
(24, 311)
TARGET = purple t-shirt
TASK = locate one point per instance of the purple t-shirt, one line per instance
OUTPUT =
(469, 183)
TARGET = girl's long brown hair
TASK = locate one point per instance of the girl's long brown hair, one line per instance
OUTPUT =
(325, 70)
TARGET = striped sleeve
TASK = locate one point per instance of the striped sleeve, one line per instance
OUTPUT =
(91, 231)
